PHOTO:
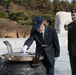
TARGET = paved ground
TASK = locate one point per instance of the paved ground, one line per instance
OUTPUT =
(62, 65)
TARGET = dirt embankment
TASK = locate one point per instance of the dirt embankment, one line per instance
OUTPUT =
(10, 29)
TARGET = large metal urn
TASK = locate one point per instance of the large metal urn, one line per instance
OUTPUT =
(17, 63)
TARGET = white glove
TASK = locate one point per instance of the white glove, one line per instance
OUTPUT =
(24, 48)
(55, 58)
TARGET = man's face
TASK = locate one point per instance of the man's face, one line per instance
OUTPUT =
(41, 27)
(45, 22)
(73, 15)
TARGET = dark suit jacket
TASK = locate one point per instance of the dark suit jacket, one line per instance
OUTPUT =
(72, 38)
(50, 39)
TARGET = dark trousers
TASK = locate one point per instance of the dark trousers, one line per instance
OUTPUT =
(48, 66)
(73, 64)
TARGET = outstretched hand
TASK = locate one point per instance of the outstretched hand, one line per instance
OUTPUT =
(24, 49)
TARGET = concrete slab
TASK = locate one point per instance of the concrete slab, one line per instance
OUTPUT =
(62, 64)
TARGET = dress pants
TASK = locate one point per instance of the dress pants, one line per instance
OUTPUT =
(48, 66)
(73, 64)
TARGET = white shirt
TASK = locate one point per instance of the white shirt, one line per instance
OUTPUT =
(43, 32)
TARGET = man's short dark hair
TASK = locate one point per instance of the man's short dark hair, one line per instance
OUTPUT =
(47, 18)
(73, 10)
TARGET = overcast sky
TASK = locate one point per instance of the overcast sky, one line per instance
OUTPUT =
(67, 0)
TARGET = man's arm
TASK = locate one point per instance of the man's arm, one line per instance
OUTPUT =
(30, 40)
(56, 43)
(27, 43)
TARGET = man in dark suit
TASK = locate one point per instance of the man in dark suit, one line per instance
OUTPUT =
(47, 20)
(49, 38)
(72, 41)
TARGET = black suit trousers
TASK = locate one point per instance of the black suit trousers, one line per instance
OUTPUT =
(48, 66)
(73, 64)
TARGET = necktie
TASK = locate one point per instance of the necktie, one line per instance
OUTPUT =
(41, 36)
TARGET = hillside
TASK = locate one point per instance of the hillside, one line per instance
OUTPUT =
(16, 16)
(11, 29)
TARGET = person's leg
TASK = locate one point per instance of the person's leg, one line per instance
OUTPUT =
(50, 70)
(48, 66)
(73, 64)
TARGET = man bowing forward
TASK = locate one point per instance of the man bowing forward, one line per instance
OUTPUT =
(49, 38)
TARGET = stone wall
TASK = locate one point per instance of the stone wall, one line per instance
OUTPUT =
(17, 43)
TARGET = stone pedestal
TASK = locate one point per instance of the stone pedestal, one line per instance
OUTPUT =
(21, 68)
